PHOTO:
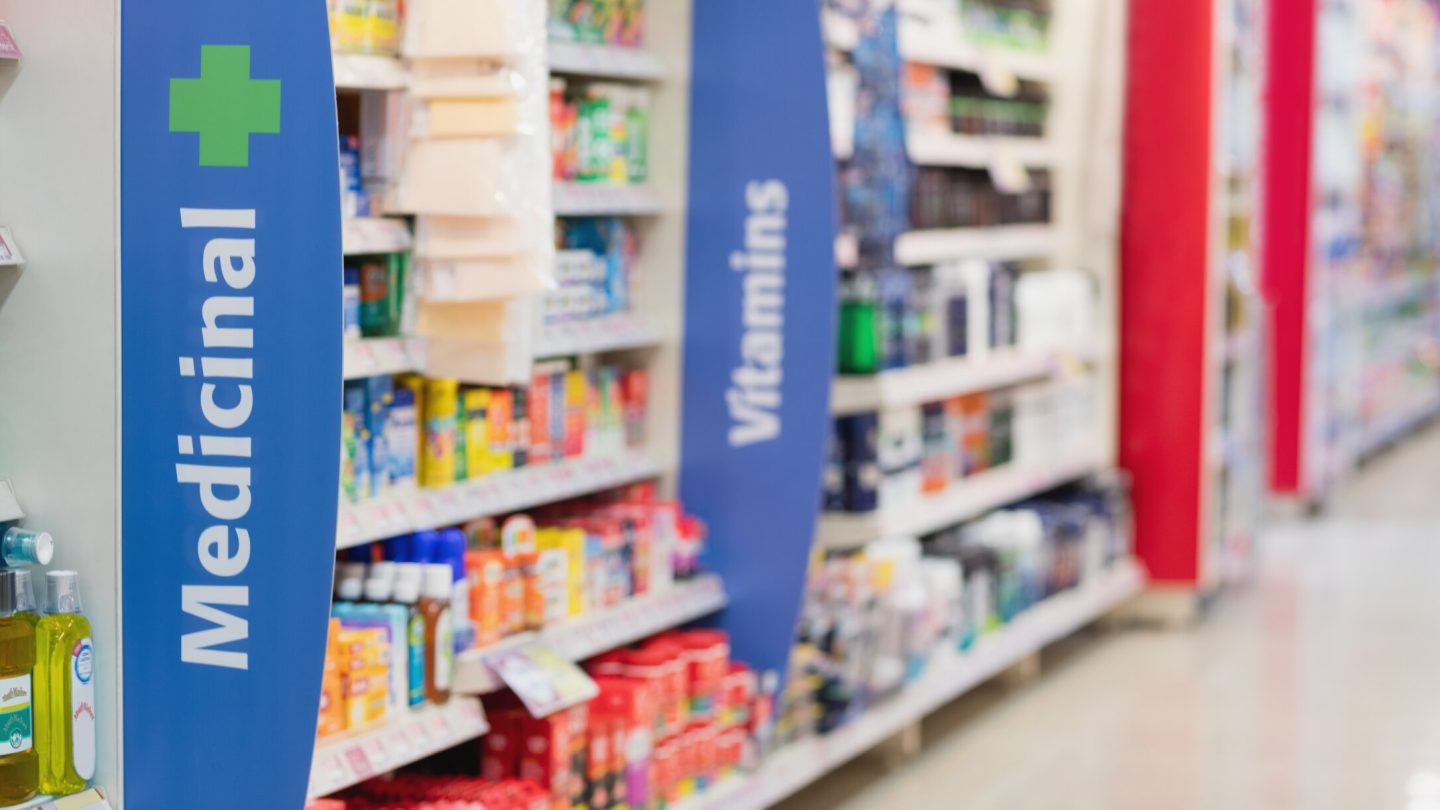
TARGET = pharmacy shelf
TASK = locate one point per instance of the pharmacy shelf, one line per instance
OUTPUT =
(605, 199)
(497, 494)
(999, 243)
(943, 379)
(603, 630)
(1389, 431)
(373, 357)
(362, 236)
(962, 500)
(612, 334)
(354, 71)
(85, 800)
(605, 62)
(797, 765)
(937, 46)
(935, 148)
(351, 758)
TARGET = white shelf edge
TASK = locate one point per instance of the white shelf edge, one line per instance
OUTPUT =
(580, 199)
(962, 500)
(798, 765)
(952, 377)
(372, 357)
(497, 494)
(359, 71)
(941, 48)
(999, 243)
(928, 147)
(603, 630)
(611, 334)
(604, 61)
(353, 757)
(364, 236)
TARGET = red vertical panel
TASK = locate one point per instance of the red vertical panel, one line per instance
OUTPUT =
(1290, 121)
(1164, 254)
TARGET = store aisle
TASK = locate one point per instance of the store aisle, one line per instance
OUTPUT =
(1315, 688)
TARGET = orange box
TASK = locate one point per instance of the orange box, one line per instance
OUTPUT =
(486, 573)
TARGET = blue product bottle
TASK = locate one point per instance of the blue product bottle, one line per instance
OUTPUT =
(352, 304)
(452, 546)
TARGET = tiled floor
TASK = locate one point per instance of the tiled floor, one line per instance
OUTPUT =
(1316, 688)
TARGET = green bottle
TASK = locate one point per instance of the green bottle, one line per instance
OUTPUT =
(65, 713)
(19, 768)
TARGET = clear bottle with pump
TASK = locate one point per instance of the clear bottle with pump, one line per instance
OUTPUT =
(407, 595)
(19, 762)
(439, 632)
(65, 669)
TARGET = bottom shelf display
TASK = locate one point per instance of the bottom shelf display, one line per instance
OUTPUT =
(798, 764)
(86, 800)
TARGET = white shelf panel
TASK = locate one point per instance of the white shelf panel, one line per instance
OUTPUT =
(356, 71)
(362, 236)
(611, 334)
(605, 199)
(933, 148)
(934, 45)
(943, 379)
(795, 766)
(961, 501)
(998, 243)
(605, 61)
(372, 357)
(603, 630)
(353, 757)
(497, 494)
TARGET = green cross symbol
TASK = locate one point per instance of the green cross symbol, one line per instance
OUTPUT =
(225, 106)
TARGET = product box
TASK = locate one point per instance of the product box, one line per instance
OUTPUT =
(500, 747)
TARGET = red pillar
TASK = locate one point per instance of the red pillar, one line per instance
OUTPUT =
(1164, 282)
(1290, 120)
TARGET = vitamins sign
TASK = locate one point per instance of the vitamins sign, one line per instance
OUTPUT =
(760, 307)
(229, 210)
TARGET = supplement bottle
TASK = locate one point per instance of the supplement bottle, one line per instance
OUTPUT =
(439, 632)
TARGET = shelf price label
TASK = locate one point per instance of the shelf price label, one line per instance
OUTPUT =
(544, 680)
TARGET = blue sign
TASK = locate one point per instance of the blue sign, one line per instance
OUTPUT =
(231, 389)
(760, 308)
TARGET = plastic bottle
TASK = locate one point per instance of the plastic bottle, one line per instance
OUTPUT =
(65, 668)
(26, 607)
(23, 547)
(379, 596)
(439, 632)
(19, 762)
(407, 595)
(452, 553)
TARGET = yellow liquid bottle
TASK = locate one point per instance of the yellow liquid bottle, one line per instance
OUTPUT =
(65, 671)
(19, 769)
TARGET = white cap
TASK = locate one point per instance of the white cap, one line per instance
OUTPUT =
(439, 581)
(383, 570)
(350, 570)
(350, 589)
(410, 572)
(407, 590)
(378, 590)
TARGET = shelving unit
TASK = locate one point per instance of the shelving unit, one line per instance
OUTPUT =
(375, 356)
(953, 377)
(605, 62)
(612, 334)
(929, 148)
(366, 72)
(363, 236)
(793, 767)
(603, 630)
(963, 500)
(998, 243)
(353, 757)
(602, 200)
(499, 494)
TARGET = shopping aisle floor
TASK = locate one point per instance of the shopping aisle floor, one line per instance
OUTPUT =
(1318, 687)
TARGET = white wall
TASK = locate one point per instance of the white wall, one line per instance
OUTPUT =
(58, 315)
